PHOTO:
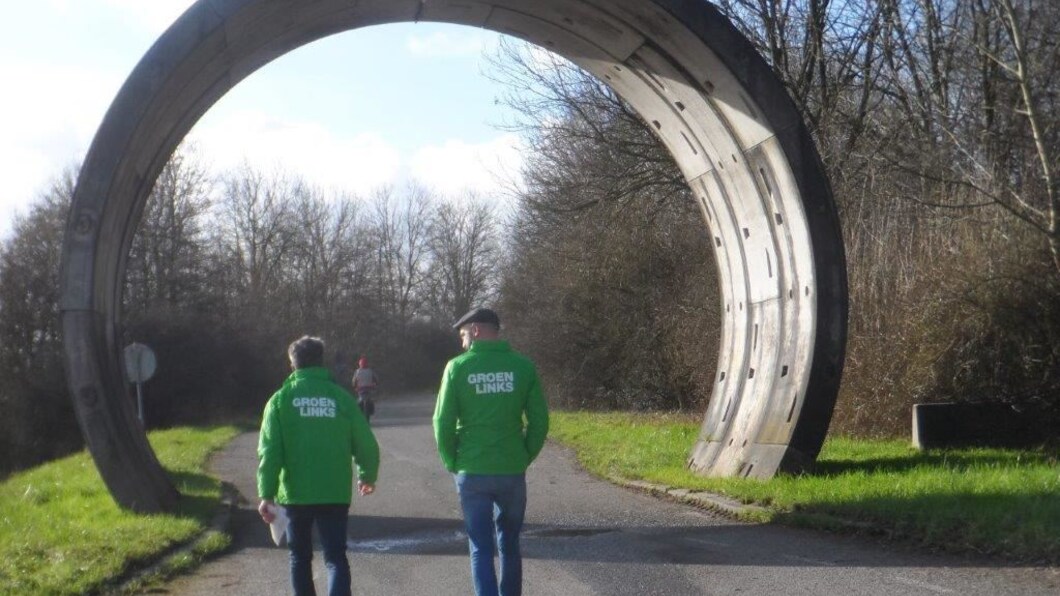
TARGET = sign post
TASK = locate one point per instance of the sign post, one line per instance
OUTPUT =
(140, 365)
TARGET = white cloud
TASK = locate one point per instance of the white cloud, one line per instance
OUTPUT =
(156, 15)
(27, 178)
(456, 43)
(358, 164)
(305, 148)
(52, 109)
(46, 125)
(456, 166)
(59, 8)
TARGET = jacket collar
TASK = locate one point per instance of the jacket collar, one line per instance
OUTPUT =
(490, 345)
(311, 372)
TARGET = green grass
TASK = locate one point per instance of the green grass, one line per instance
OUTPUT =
(61, 533)
(209, 543)
(995, 501)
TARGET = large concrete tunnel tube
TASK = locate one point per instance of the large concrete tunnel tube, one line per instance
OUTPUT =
(714, 102)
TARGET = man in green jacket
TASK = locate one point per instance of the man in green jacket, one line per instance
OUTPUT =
(478, 425)
(310, 429)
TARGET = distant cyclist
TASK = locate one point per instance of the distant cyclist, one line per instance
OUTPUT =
(365, 382)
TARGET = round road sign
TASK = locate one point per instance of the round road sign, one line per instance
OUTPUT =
(140, 363)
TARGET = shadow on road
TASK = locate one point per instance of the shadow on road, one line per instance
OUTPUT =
(393, 412)
(619, 536)
(726, 545)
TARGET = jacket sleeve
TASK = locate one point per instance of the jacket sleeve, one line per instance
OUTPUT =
(446, 411)
(536, 418)
(270, 451)
(364, 447)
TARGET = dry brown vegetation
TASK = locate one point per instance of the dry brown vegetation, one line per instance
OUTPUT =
(937, 122)
(224, 273)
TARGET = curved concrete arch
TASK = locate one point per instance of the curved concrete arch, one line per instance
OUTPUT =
(713, 101)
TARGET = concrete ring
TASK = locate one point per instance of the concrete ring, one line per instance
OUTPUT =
(730, 125)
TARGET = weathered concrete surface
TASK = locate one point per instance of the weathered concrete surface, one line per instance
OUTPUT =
(974, 424)
(584, 536)
(728, 122)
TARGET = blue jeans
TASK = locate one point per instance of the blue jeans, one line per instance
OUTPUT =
(331, 526)
(494, 504)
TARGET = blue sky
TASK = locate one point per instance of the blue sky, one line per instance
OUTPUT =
(350, 112)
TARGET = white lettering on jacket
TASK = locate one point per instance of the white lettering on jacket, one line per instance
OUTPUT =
(493, 382)
(315, 407)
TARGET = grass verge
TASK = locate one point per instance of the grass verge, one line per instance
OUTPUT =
(61, 533)
(992, 501)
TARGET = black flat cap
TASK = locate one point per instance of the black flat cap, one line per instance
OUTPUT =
(478, 315)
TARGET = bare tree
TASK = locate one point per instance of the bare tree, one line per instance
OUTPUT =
(1018, 88)
(605, 224)
(975, 87)
(585, 145)
(464, 248)
(29, 268)
(38, 421)
(254, 232)
(827, 54)
(165, 264)
(399, 225)
(331, 257)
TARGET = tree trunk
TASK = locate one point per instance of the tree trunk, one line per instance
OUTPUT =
(1054, 246)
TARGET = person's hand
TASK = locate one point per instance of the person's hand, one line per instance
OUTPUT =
(265, 510)
(365, 488)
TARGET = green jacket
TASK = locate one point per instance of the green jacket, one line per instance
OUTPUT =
(310, 429)
(478, 419)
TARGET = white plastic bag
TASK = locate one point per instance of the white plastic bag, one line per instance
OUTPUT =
(278, 527)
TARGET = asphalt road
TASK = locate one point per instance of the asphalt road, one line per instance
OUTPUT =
(583, 536)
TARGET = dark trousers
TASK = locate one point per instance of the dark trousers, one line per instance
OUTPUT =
(330, 521)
